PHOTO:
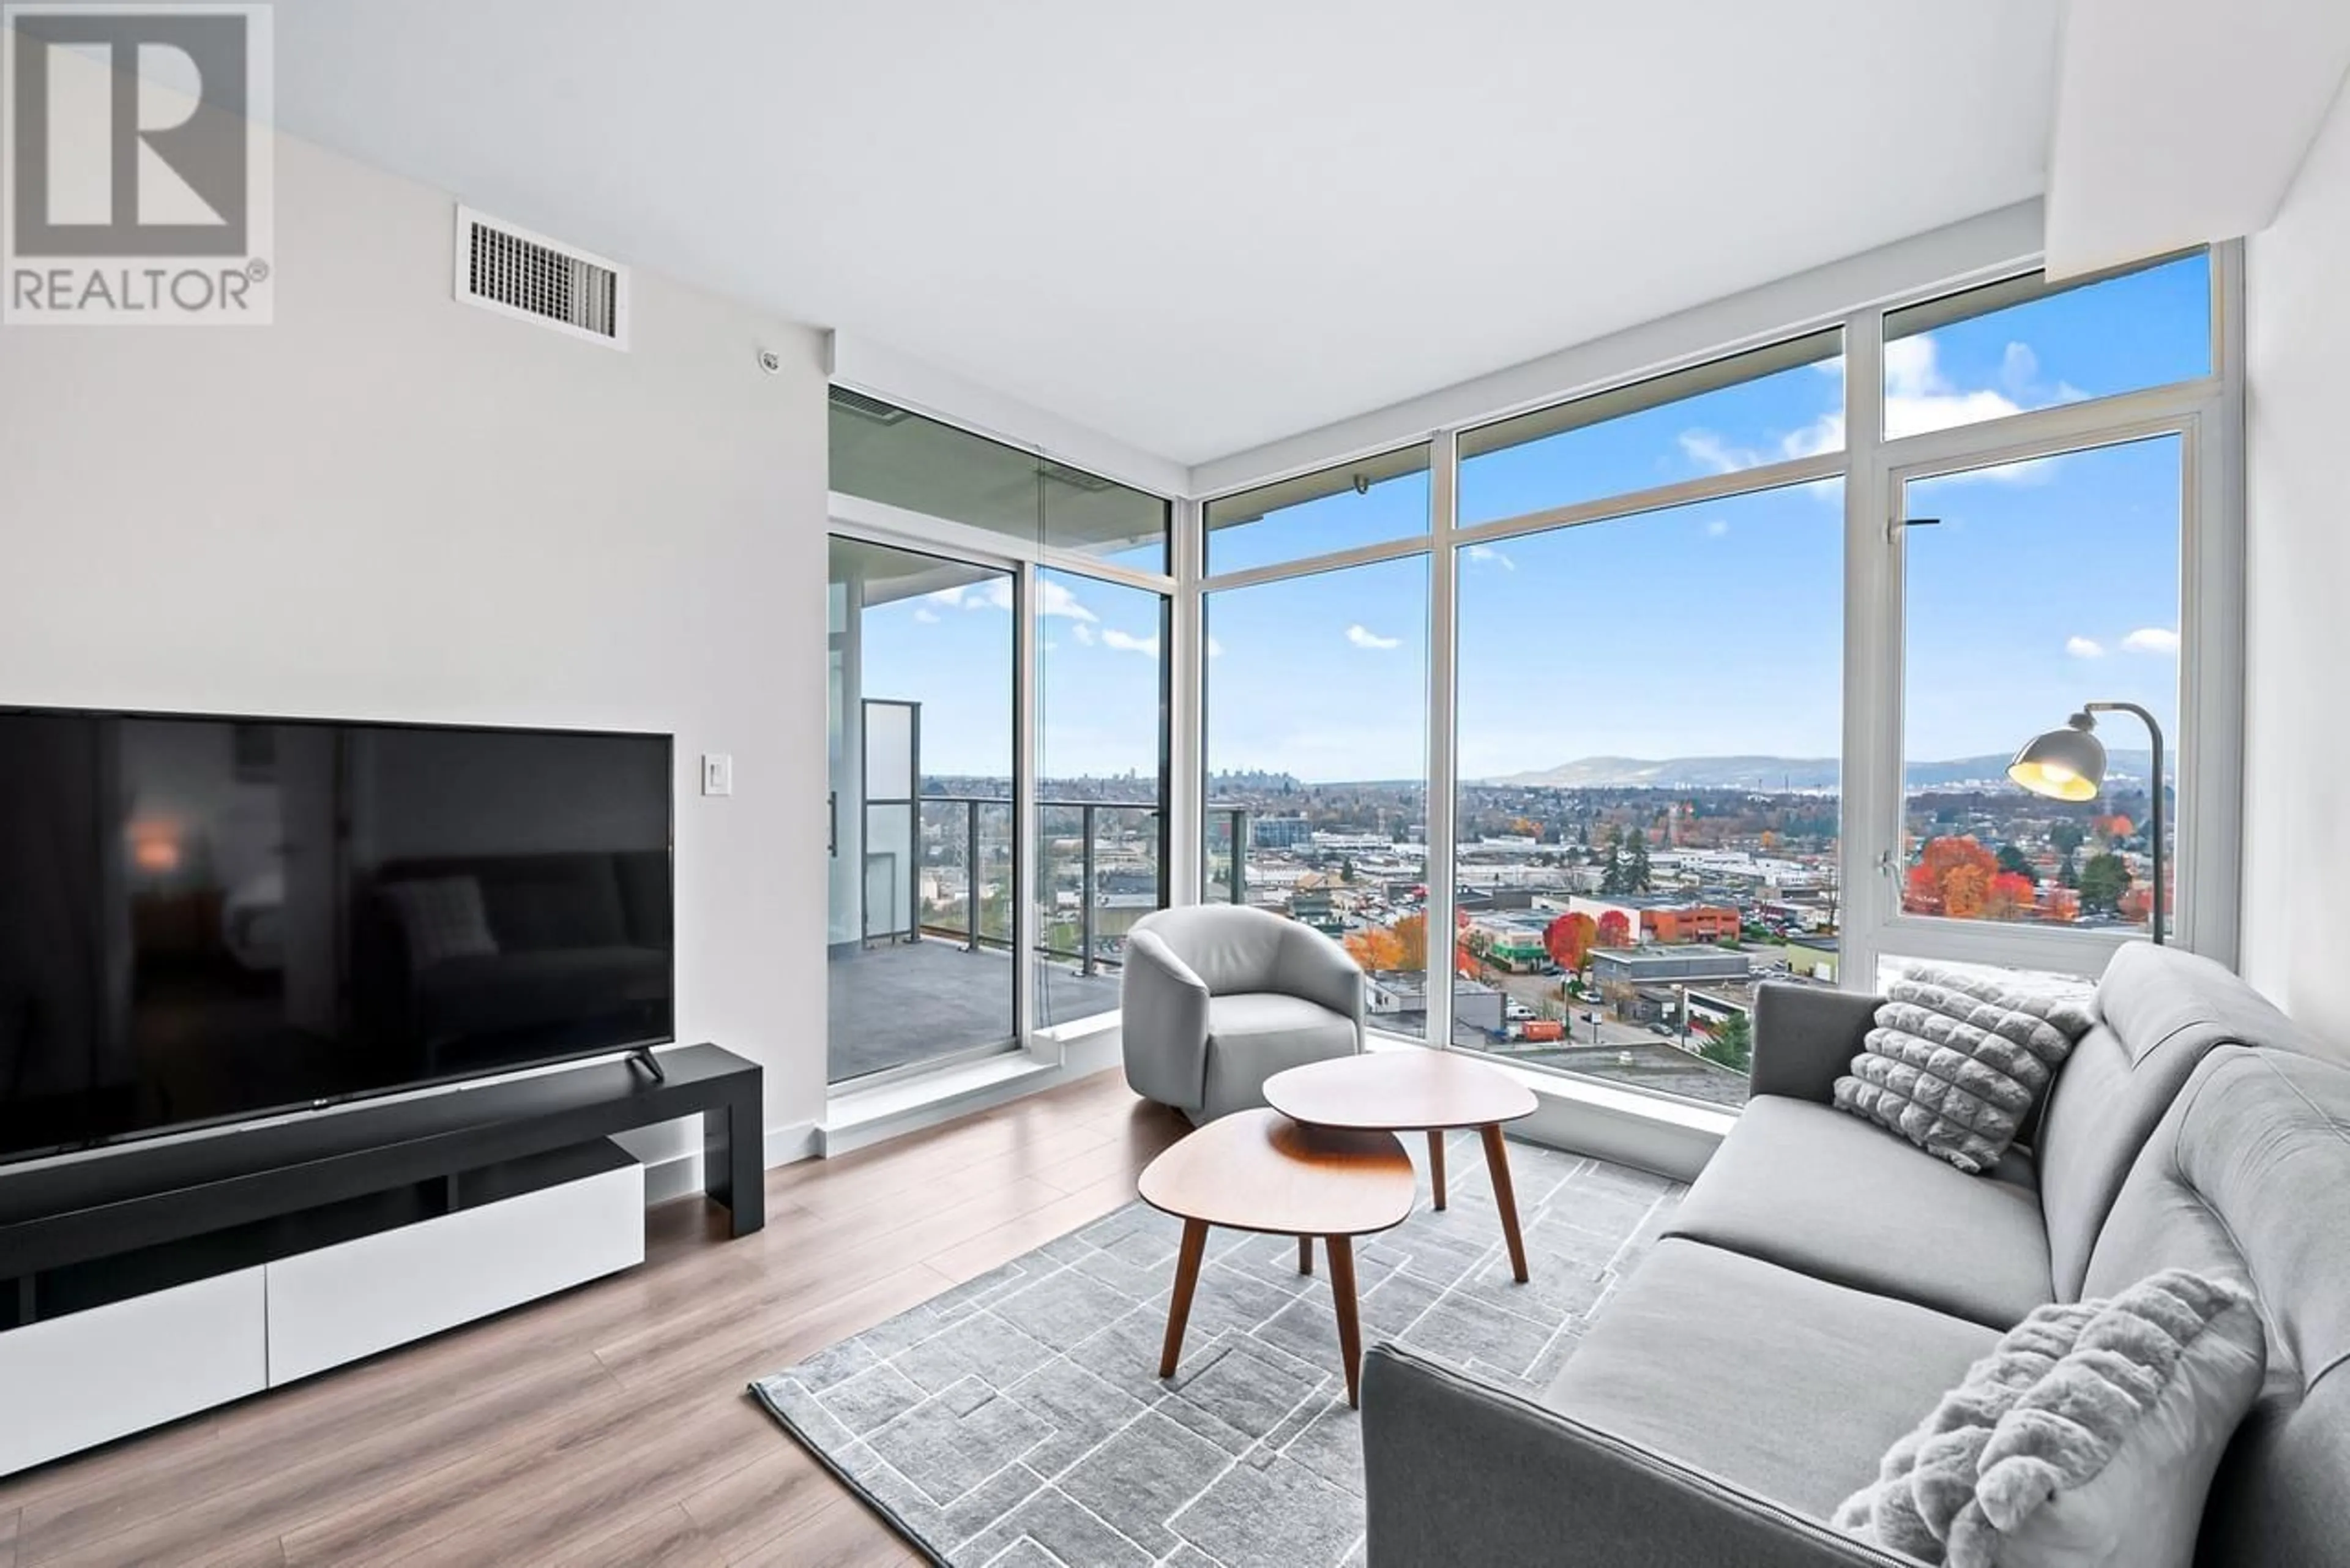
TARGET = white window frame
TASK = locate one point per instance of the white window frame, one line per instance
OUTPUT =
(2206, 413)
(879, 523)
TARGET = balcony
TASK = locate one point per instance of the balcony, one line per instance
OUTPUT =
(945, 986)
(897, 1005)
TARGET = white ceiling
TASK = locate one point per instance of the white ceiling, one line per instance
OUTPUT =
(1198, 226)
(2177, 124)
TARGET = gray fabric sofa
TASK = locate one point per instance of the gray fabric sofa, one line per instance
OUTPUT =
(1217, 998)
(1824, 1282)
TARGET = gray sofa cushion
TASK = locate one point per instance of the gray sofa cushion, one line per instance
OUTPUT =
(1768, 1378)
(1815, 1189)
(1255, 1034)
(2163, 1011)
(1958, 1059)
(2249, 1173)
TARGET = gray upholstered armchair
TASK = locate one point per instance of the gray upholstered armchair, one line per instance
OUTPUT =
(1217, 998)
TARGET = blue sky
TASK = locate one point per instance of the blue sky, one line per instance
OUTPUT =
(1706, 629)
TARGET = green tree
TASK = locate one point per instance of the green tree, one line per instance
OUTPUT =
(1732, 1043)
(1611, 881)
(2013, 859)
(2104, 880)
(1636, 864)
(2066, 837)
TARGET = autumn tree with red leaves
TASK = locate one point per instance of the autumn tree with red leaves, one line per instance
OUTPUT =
(1568, 939)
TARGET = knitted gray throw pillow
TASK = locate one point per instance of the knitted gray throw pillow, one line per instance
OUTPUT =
(1958, 1059)
(2089, 1436)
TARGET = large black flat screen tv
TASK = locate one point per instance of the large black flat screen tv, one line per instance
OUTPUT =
(207, 919)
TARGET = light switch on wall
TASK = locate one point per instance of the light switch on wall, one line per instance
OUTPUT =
(717, 773)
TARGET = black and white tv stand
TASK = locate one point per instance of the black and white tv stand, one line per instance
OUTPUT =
(167, 1278)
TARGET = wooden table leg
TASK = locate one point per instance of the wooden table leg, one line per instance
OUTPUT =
(1342, 1291)
(1305, 1254)
(1497, 1161)
(1435, 1163)
(1187, 1276)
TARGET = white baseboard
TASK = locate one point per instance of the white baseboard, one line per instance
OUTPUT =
(860, 1119)
(679, 1175)
(790, 1143)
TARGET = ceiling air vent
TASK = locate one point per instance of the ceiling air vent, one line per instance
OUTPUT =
(865, 407)
(516, 273)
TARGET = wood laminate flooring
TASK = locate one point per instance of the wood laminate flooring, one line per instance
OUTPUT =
(609, 1424)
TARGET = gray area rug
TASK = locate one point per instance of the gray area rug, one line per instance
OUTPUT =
(1017, 1420)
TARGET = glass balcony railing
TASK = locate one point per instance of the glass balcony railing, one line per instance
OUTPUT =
(1101, 866)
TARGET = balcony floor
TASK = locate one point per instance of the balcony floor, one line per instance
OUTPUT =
(891, 1006)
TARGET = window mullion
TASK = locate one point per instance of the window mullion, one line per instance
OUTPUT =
(1869, 838)
(1187, 744)
(1443, 771)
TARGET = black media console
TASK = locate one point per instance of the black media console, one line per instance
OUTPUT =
(150, 1216)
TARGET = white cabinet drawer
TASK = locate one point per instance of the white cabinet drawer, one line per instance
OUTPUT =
(341, 1302)
(92, 1377)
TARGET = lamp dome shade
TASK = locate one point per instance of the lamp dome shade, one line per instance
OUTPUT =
(2063, 764)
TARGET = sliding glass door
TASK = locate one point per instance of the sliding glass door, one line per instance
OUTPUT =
(923, 753)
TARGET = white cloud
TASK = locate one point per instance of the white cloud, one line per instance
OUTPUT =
(2155, 639)
(1362, 637)
(1716, 527)
(1125, 642)
(1051, 598)
(926, 614)
(1486, 555)
(2019, 366)
(1710, 451)
(1083, 633)
(2084, 647)
(1919, 396)
(1215, 649)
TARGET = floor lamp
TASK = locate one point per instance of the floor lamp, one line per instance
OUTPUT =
(2070, 765)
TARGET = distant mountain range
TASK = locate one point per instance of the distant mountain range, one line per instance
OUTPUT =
(1775, 773)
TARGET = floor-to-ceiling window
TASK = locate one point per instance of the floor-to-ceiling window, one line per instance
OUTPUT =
(1729, 667)
(1634, 701)
(1316, 716)
(922, 757)
(1649, 797)
(1008, 614)
(1102, 817)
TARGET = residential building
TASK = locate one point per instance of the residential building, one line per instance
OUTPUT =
(1661, 917)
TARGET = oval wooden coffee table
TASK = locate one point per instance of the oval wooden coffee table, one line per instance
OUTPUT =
(1409, 1091)
(1259, 1170)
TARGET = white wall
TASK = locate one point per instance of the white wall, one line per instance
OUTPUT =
(2297, 745)
(390, 505)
